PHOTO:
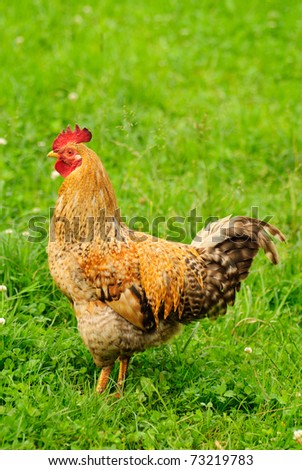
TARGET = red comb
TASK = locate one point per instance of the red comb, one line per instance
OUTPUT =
(77, 136)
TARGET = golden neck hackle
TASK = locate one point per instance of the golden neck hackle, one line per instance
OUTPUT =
(86, 200)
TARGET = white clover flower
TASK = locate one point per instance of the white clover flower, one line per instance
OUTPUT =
(36, 210)
(298, 436)
(8, 231)
(78, 19)
(19, 40)
(54, 174)
(2, 321)
(3, 141)
(73, 96)
(25, 233)
(41, 144)
(248, 350)
(87, 9)
(3, 288)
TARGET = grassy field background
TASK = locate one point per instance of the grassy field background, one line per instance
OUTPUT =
(192, 105)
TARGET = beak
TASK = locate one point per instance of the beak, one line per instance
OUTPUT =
(53, 154)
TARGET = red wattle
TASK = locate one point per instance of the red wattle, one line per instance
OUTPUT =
(65, 169)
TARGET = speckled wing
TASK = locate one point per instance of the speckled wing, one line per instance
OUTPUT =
(115, 276)
(171, 277)
(148, 281)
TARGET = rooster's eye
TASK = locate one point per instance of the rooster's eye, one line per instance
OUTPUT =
(69, 152)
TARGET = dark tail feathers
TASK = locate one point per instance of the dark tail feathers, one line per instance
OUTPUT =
(228, 247)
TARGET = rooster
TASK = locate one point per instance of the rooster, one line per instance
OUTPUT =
(131, 291)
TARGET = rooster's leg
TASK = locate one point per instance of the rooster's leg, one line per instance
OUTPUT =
(103, 380)
(124, 362)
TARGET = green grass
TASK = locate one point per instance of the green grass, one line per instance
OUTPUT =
(191, 105)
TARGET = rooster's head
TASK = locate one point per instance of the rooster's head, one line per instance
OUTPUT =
(65, 149)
